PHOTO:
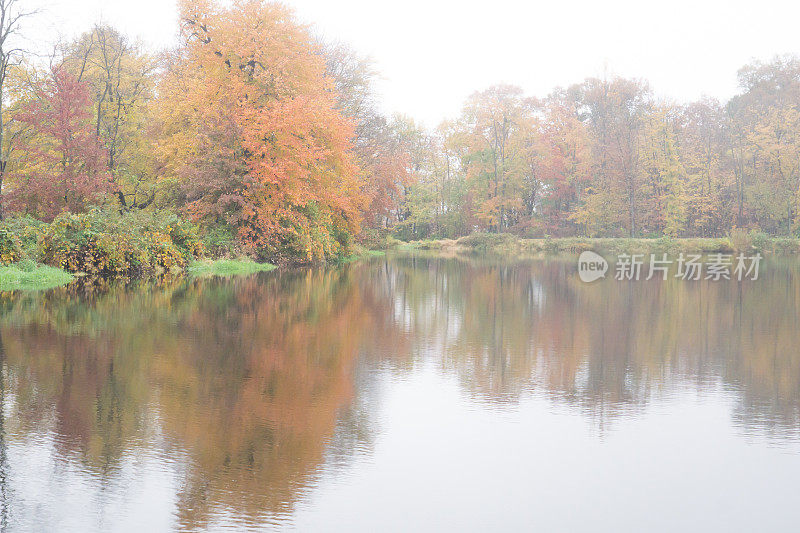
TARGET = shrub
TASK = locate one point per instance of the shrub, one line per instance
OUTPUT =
(313, 236)
(27, 230)
(530, 228)
(786, 245)
(164, 254)
(664, 243)
(760, 240)
(116, 246)
(576, 246)
(391, 242)
(184, 236)
(220, 241)
(374, 238)
(26, 265)
(489, 242)
(740, 239)
(550, 246)
(10, 246)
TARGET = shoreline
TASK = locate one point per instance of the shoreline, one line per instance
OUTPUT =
(35, 277)
(511, 245)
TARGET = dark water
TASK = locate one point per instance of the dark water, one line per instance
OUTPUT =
(406, 393)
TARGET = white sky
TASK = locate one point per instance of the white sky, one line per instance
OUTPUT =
(433, 54)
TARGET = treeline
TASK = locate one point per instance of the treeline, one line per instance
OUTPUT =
(607, 158)
(238, 128)
(272, 143)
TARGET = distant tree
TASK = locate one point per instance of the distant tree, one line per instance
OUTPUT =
(563, 165)
(704, 152)
(765, 120)
(664, 178)
(496, 124)
(614, 111)
(384, 147)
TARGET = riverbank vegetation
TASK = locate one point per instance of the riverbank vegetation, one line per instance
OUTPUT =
(227, 267)
(254, 138)
(507, 244)
(28, 276)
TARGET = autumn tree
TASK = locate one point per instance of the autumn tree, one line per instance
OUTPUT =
(495, 126)
(613, 109)
(438, 203)
(563, 164)
(121, 81)
(664, 178)
(763, 126)
(63, 166)
(252, 133)
(704, 154)
(387, 149)
(604, 158)
(275, 141)
(452, 211)
(11, 16)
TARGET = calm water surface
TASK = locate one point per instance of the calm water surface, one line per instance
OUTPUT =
(406, 393)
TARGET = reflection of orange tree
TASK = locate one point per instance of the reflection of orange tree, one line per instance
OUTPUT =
(248, 376)
(255, 390)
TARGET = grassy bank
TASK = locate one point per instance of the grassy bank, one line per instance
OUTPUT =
(32, 277)
(360, 254)
(107, 246)
(507, 244)
(29, 276)
(227, 267)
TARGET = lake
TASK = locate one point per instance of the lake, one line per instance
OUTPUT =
(407, 392)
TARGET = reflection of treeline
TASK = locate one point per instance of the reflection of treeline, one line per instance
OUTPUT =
(254, 377)
(249, 376)
(533, 326)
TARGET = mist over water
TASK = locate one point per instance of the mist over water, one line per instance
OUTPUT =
(404, 392)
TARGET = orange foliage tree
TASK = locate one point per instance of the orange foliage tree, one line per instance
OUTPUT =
(252, 133)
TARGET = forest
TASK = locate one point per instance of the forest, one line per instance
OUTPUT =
(253, 136)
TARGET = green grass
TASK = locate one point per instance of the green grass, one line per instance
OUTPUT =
(425, 244)
(227, 267)
(359, 255)
(32, 277)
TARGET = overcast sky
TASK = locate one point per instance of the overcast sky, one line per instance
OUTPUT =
(432, 54)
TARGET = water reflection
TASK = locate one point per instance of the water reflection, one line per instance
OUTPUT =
(246, 378)
(204, 403)
(607, 347)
